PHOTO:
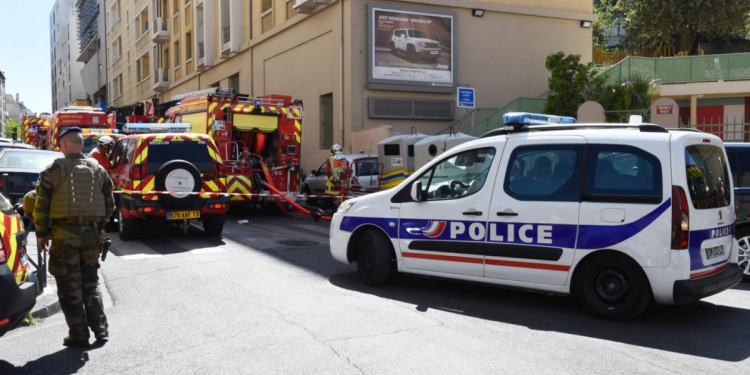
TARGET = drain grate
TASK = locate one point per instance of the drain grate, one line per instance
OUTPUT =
(296, 243)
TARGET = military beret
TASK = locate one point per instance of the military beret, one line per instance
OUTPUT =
(69, 129)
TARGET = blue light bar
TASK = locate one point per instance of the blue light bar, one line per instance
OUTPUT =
(526, 118)
(151, 127)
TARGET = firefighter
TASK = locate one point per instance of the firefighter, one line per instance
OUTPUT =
(102, 151)
(336, 168)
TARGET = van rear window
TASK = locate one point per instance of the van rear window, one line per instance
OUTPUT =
(160, 152)
(707, 176)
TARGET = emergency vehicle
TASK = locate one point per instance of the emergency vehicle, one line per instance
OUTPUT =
(18, 285)
(259, 139)
(81, 116)
(33, 128)
(617, 215)
(164, 173)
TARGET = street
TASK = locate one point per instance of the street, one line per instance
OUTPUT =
(268, 298)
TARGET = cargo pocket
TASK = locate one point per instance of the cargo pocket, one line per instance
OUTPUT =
(57, 264)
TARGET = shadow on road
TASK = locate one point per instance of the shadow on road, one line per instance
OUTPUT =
(700, 329)
(65, 361)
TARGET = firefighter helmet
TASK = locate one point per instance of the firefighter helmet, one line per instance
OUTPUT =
(29, 201)
(105, 140)
(336, 148)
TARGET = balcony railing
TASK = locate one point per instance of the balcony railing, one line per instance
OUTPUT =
(161, 79)
(160, 31)
(706, 68)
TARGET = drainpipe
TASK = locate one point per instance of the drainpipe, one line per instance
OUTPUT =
(341, 75)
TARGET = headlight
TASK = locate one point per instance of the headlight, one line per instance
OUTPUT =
(346, 206)
(423, 44)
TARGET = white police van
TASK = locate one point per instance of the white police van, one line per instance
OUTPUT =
(618, 215)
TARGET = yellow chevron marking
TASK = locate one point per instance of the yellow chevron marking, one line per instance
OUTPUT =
(212, 186)
(212, 106)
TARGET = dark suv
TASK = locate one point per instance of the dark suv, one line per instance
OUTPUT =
(172, 177)
(739, 162)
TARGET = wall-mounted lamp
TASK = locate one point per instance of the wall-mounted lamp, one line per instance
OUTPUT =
(477, 12)
(586, 24)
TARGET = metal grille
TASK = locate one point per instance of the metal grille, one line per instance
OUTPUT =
(411, 109)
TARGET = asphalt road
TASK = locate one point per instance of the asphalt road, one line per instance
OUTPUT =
(268, 298)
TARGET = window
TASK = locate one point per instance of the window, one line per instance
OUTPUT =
(739, 162)
(622, 174)
(458, 176)
(114, 13)
(290, 11)
(117, 49)
(234, 82)
(188, 13)
(141, 23)
(326, 121)
(707, 176)
(177, 54)
(266, 14)
(544, 173)
(117, 86)
(392, 150)
(188, 46)
(142, 66)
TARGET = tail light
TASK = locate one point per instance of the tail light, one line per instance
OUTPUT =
(3, 253)
(138, 172)
(680, 219)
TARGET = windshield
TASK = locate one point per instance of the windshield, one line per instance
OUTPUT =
(194, 152)
(31, 159)
(707, 176)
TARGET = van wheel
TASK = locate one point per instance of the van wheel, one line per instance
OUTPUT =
(411, 52)
(373, 258)
(743, 239)
(393, 48)
(127, 228)
(213, 225)
(612, 286)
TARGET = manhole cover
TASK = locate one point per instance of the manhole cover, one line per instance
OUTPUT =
(298, 243)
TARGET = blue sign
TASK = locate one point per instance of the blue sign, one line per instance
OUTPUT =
(465, 97)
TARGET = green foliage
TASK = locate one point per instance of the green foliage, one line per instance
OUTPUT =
(606, 12)
(677, 22)
(10, 125)
(572, 83)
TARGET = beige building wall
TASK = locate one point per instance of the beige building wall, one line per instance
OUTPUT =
(276, 50)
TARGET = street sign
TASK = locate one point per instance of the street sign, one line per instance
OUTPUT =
(465, 97)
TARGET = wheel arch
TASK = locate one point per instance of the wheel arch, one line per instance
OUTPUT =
(600, 253)
(351, 247)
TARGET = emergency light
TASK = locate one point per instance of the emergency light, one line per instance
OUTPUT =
(153, 127)
(99, 131)
(516, 119)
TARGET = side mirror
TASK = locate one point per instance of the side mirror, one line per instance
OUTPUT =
(417, 194)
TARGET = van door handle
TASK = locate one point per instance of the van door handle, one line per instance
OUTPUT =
(473, 213)
(507, 213)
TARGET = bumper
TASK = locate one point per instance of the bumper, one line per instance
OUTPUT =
(136, 207)
(17, 300)
(339, 239)
(685, 291)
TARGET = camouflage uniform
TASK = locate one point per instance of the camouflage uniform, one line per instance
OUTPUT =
(74, 255)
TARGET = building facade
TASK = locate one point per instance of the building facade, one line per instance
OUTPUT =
(92, 50)
(67, 86)
(363, 69)
(3, 110)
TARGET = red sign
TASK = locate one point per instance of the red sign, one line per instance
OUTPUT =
(664, 109)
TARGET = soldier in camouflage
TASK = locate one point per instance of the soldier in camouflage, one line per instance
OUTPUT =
(74, 198)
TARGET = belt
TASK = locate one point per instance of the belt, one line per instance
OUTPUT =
(78, 220)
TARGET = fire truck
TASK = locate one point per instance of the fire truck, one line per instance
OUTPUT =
(92, 120)
(33, 128)
(259, 139)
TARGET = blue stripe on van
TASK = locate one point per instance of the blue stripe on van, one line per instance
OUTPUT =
(592, 237)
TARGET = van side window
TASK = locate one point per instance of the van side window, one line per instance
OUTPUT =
(545, 173)
(458, 176)
(707, 176)
(739, 162)
(626, 174)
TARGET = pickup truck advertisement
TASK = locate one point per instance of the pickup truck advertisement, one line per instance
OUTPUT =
(411, 47)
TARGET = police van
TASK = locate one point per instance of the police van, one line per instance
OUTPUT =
(617, 215)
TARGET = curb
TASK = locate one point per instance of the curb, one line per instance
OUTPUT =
(47, 303)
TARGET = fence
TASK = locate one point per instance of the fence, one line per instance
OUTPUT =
(601, 56)
(730, 132)
(707, 68)
(486, 119)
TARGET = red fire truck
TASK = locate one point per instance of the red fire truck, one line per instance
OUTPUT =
(82, 117)
(259, 138)
(33, 128)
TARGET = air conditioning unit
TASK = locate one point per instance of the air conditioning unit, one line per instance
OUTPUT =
(305, 6)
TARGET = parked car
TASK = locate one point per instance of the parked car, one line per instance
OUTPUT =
(739, 161)
(414, 43)
(5, 145)
(365, 176)
(23, 167)
(18, 285)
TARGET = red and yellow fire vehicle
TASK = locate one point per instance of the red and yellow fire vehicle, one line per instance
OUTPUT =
(34, 128)
(80, 116)
(258, 138)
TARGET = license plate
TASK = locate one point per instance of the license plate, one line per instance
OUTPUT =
(713, 252)
(183, 215)
(434, 52)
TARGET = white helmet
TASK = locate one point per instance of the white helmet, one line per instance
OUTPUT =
(336, 148)
(105, 140)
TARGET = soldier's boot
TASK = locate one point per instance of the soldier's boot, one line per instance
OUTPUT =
(74, 342)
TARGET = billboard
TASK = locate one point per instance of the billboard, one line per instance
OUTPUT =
(411, 46)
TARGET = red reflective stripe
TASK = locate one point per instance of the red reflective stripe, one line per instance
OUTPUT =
(443, 257)
(540, 266)
(700, 274)
(4, 321)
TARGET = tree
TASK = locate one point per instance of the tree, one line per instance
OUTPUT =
(679, 22)
(572, 83)
(10, 125)
(607, 13)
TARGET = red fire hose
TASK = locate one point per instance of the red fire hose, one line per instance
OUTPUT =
(314, 214)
